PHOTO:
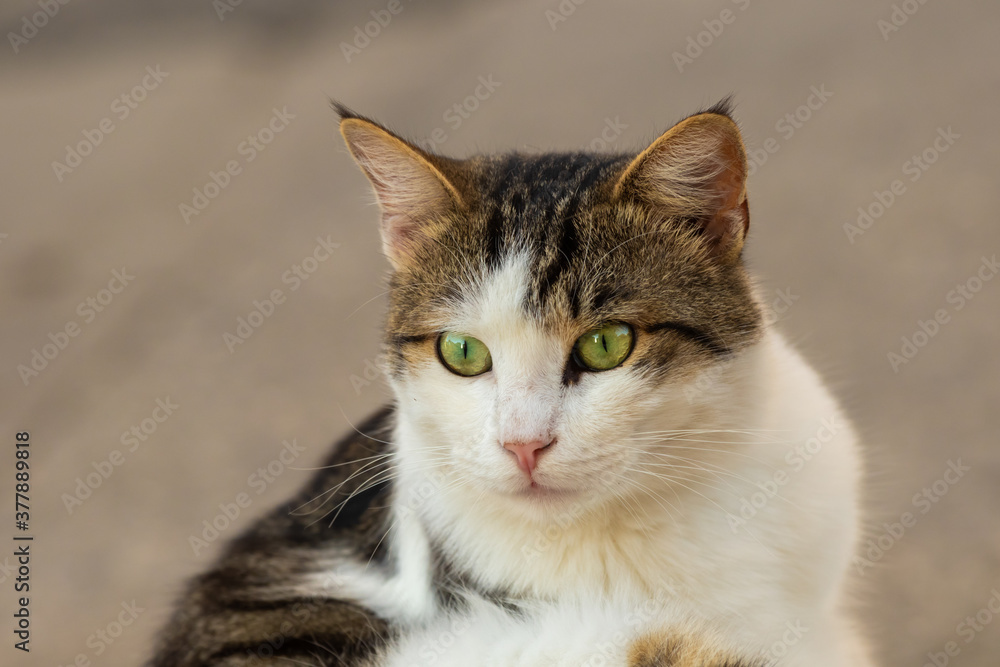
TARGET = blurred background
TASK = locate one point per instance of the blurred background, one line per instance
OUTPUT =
(169, 165)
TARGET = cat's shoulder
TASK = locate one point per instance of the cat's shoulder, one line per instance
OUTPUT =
(254, 590)
(346, 500)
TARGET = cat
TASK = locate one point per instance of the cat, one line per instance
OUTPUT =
(598, 453)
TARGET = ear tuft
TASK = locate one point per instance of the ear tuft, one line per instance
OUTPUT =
(697, 169)
(723, 107)
(410, 190)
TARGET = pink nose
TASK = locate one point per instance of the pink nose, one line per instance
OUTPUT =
(526, 453)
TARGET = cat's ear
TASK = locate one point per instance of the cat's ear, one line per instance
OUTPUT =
(411, 191)
(696, 171)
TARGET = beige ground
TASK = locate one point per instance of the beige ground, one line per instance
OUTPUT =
(162, 336)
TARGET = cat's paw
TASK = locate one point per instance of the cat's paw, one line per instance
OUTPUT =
(572, 635)
(673, 648)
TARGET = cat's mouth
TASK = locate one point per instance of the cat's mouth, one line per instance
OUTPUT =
(537, 491)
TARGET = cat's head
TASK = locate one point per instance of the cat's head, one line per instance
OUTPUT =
(544, 307)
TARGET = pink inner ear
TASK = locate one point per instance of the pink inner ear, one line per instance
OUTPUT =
(727, 224)
(700, 169)
(409, 187)
(406, 213)
(731, 217)
(399, 233)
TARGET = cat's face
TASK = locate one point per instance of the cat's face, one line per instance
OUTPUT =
(542, 308)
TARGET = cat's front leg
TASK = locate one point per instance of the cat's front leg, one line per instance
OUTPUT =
(564, 636)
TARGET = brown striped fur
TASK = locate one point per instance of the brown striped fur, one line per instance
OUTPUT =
(228, 616)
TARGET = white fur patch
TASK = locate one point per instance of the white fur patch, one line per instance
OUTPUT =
(547, 635)
(402, 593)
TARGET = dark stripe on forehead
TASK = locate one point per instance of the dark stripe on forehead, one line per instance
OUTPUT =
(565, 236)
(566, 243)
(529, 200)
(496, 222)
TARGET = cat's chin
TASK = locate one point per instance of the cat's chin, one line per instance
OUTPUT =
(541, 493)
(539, 504)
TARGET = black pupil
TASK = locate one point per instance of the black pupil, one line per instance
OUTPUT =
(604, 342)
(465, 349)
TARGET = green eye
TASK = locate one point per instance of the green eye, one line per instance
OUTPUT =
(464, 355)
(605, 347)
